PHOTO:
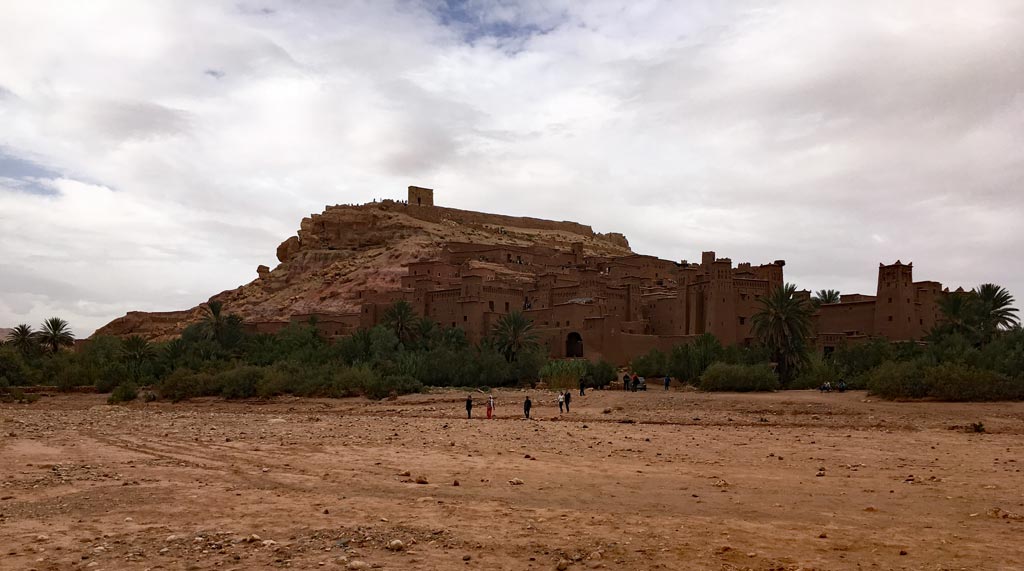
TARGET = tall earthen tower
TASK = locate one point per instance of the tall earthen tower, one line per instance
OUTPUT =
(419, 196)
(894, 305)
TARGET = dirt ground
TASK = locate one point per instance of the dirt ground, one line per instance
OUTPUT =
(655, 480)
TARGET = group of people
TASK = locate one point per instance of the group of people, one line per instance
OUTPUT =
(564, 400)
(826, 387)
(632, 383)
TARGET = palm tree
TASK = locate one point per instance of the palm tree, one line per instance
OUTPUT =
(427, 333)
(213, 319)
(825, 296)
(24, 339)
(994, 306)
(783, 325)
(513, 334)
(401, 319)
(137, 351)
(55, 334)
(959, 314)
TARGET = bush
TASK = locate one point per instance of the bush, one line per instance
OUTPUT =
(183, 384)
(815, 373)
(601, 374)
(240, 382)
(564, 373)
(953, 382)
(894, 380)
(381, 387)
(739, 378)
(654, 363)
(125, 392)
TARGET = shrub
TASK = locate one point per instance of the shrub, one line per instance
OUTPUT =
(815, 373)
(381, 387)
(739, 378)
(654, 363)
(240, 382)
(894, 380)
(124, 392)
(601, 373)
(183, 384)
(954, 382)
(564, 373)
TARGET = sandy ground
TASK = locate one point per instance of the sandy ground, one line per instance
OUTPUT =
(655, 480)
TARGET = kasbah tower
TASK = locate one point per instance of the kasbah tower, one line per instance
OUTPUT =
(618, 307)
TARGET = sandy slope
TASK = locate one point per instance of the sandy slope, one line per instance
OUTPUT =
(695, 482)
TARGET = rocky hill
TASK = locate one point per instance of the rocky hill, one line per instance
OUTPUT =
(350, 249)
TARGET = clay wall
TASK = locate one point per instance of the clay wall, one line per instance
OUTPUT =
(854, 317)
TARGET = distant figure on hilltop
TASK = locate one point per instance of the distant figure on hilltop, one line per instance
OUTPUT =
(469, 406)
(527, 405)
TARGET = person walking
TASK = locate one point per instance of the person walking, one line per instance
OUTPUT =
(583, 386)
(625, 381)
(561, 402)
(636, 381)
(469, 406)
(490, 406)
(527, 405)
(568, 397)
(668, 380)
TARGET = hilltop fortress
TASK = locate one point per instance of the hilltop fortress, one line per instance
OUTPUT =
(587, 293)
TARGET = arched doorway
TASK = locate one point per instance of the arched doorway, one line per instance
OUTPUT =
(574, 345)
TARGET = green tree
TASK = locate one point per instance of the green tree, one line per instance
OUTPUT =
(513, 334)
(401, 318)
(995, 311)
(783, 325)
(959, 315)
(24, 339)
(824, 296)
(137, 352)
(55, 334)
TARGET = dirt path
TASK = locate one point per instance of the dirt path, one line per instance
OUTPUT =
(653, 480)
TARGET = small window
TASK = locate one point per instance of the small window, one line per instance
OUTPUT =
(890, 300)
(490, 305)
(466, 318)
(506, 307)
(890, 318)
(743, 320)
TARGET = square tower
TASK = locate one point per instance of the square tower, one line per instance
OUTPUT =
(419, 196)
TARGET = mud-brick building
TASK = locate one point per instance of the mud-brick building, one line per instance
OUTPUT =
(594, 307)
(900, 310)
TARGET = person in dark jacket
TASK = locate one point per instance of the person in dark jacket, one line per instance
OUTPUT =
(527, 405)
(583, 386)
(625, 381)
(469, 406)
(668, 380)
(568, 397)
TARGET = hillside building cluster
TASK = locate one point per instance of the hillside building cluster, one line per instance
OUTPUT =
(619, 307)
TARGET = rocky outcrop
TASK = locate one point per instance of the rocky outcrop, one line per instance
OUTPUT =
(348, 250)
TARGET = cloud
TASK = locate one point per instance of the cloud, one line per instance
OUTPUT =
(155, 166)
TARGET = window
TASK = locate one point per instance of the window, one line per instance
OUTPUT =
(466, 318)
(890, 318)
(743, 320)
(890, 300)
(490, 306)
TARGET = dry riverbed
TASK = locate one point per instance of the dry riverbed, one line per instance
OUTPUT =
(655, 480)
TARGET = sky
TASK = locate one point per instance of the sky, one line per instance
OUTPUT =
(152, 154)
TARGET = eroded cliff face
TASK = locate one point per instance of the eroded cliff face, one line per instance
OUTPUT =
(346, 250)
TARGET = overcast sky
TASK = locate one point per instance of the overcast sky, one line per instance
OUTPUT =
(154, 153)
